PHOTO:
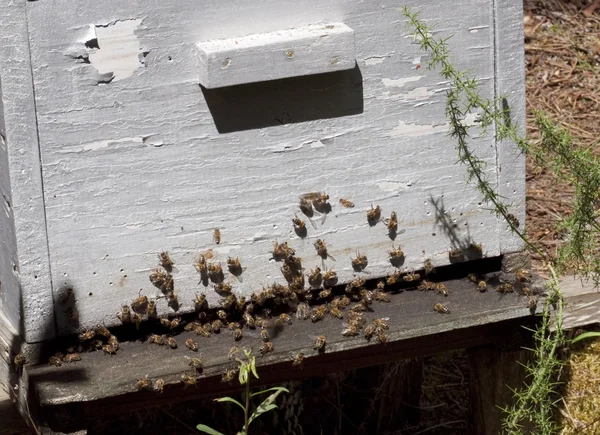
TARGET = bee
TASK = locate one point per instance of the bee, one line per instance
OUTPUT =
(55, 361)
(427, 286)
(229, 302)
(287, 273)
(325, 293)
(393, 278)
(249, 319)
(266, 348)
(441, 308)
(234, 266)
(455, 255)
(229, 375)
(202, 267)
(512, 219)
(330, 278)
(380, 285)
(360, 262)
(233, 326)
(505, 288)
(476, 248)
(306, 207)
(188, 380)
(322, 250)
(151, 309)
(336, 312)
(297, 359)
(107, 348)
(482, 286)
(71, 357)
(215, 273)
(20, 360)
(282, 251)
(522, 275)
(319, 201)
(428, 266)
(200, 302)
(165, 261)
(351, 330)
(87, 335)
(318, 313)
(232, 353)
(396, 256)
(144, 384)
(441, 289)
(346, 203)
(157, 339)
(382, 336)
(175, 322)
(125, 314)
(217, 236)
(195, 363)
(374, 215)
(221, 314)
(171, 343)
(299, 226)
(382, 296)
(370, 331)
(381, 323)
(526, 291)
(237, 334)
(191, 344)
(392, 223)
(113, 342)
(285, 318)
(137, 319)
(159, 386)
(166, 323)
(473, 278)
(223, 288)
(302, 311)
(140, 304)
(161, 279)
(264, 335)
(411, 276)
(320, 343)
(315, 278)
(344, 301)
(532, 302)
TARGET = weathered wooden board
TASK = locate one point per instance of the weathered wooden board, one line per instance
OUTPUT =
(137, 158)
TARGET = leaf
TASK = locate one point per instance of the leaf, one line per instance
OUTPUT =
(209, 430)
(590, 334)
(243, 374)
(253, 367)
(267, 405)
(280, 389)
(230, 399)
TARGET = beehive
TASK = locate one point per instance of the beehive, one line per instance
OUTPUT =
(130, 129)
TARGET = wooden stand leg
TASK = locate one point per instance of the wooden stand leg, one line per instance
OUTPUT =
(493, 371)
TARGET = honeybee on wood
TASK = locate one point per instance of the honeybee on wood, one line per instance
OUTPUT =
(396, 257)
(320, 202)
(351, 330)
(441, 308)
(441, 289)
(71, 357)
(233, 326)
(137, 319)
(221, 314)
(264, 335)
(285, 318)
(456, 255)
(165, 261)
(393, 278)
(287, 273)
(381, 296)
(171, 342)
(526, 291)
(173, 300)
(229, 375)
(112, 347)
(190, 326)
(505, 288)
(346, 203)
(249, 320)
(532, 302)
(151, 309)
(159, 386)
(322, 250)
(380, 285)
(320, 343)
(156, 339)
(299, 227)
(315, 278)
(217, 236)
(473, 278)
(382, 336)
(202, 267)
(336, 312)
(482, 286)
(282, 251)
(125, 314)
(232, 353)
(370, 331)
(196, 363)
(325, 293)
(96, 345)
(144, 384)
(55, 361)
(215, 273)
(161, 279)
(165, 322)
(216, 326)
(428, 266)
(330, 278)
(427, 286)
(374, 215)
(188, 380)
(223, 288)
(360, 262)
(200, 302)
(140, 304)
(191, 345)
(318, 313)
(20, 360)
(392, 223)
(302, 311)
(522, 275)
(411, 277)
(87, 335)
(297, 359)
(306, 207)
(234, 266)
(266, 348)
(238, 334)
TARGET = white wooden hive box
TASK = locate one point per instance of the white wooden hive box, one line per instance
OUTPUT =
(112, 151)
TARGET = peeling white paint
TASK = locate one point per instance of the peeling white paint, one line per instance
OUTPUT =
(476, 29)
(101, 144)
(410, 129)
(416, 60)
(398, 83)
(119, 49)
(416, 94)
(375, 60)
(317, 144)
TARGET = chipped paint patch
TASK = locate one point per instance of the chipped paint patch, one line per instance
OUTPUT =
(116, 49)
(410, 129)
(417, 94)
(476, 29)
(102, 144)
(317, 144)
(416, 60)
(398, 83)
(375, 60)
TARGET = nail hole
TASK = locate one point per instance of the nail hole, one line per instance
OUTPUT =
(90, 294)
(226, 62)
(289, 54)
